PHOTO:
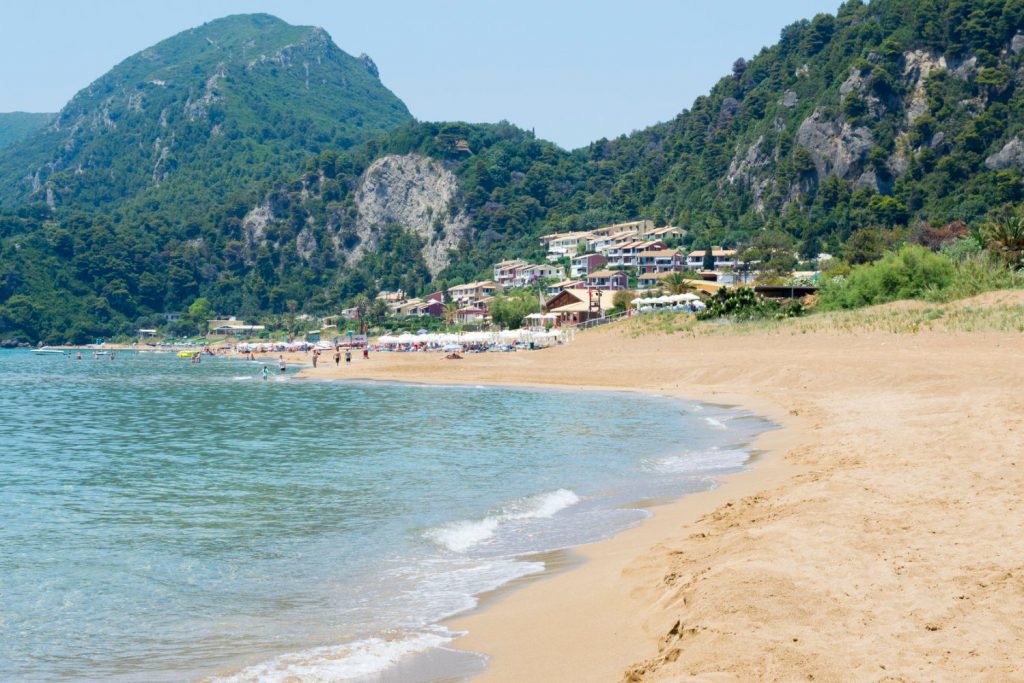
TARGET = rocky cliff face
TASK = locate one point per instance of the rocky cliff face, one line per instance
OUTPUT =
(416, 193)
(836, 147)
(412, 192)
(1010, 156)
(840, 140)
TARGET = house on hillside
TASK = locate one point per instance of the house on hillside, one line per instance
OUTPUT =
(584, 263)
(611, 280)
(660, 261)
(506, 272)
(624, 255)
(529, 274)
(562, 244)
(554, 289)
(723, 258)
(634, 227)
(650, 280)
(602, 243)
(665, 233)
(522, 274)
(473, 291)
(510, 265)
(419, 308)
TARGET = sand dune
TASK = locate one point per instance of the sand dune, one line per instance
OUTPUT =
(879, 537)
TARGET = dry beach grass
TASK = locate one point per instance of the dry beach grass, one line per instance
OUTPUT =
(879, 537)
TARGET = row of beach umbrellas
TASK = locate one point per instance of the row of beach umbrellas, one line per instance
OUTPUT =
(466, 337)
(666, 300)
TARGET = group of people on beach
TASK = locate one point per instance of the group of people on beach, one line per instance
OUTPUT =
(283, 366)
(337, 356)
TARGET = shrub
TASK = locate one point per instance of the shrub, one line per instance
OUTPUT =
(622, 300)
(977, 273)
(743, 303)
(912, 272)
(961, 249)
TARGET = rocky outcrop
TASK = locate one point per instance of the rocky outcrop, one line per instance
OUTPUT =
(197, 108)
(1010, 156)
(371, 66)
(745, 168)
(305, 243)
(917, 66)
(836, 147)
(416, 193)
(254, 225)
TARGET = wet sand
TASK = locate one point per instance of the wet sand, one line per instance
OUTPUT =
(880, 535)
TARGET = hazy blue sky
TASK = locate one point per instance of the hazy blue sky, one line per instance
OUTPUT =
(573, 71)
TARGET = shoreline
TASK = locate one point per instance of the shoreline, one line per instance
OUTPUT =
(879, 534)
(505, 628)
(518, 606)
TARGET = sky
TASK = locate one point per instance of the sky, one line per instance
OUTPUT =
(573, 71)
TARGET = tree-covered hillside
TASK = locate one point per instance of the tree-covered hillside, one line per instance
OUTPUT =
(862, 127)
(200, 117)
(18, 125)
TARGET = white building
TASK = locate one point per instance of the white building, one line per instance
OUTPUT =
(562, 244)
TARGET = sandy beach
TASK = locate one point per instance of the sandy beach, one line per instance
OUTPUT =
(878, 536)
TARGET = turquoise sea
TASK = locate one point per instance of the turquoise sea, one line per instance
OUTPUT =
(166, 521)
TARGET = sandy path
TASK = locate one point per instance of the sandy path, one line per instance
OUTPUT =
(882, 537)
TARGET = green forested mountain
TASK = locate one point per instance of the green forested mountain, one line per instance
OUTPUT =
(200, 117)
(888, 115)
(17, 125)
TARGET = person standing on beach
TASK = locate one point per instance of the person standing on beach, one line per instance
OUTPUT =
(366, 353)
(348, 356)
(316, 355)
(337, 356)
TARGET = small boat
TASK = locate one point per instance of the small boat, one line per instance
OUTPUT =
(187, 354)
(48, 351)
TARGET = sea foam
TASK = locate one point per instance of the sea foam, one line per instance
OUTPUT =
(338, 662)
(700, 461)
(463, 535)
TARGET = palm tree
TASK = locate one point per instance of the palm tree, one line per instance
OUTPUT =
(1004, 235)
(451, 310)
(677, 283)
